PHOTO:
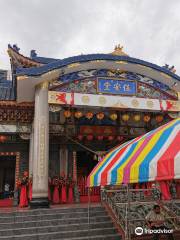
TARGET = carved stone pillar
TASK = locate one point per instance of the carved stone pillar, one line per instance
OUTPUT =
(41, 148)
(31, 152)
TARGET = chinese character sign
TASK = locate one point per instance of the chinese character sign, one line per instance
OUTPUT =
(115, 86)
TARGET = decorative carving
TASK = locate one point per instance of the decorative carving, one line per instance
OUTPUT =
(43, 85)
(150, 104)
(24, 128)
(55, 128)
(16, 115)
(118, 50)
(54, 108)
(85, 81)
(42, 151)
(24, 136)
(85, 99)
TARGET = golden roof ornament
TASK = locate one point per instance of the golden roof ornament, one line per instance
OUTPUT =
(118, 50)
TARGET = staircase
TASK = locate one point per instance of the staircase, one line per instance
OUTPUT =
(58, 223)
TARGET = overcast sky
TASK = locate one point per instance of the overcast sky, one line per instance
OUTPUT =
(148, 29)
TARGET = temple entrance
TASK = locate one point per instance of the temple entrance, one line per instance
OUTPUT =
(86, 161)
(7, 176)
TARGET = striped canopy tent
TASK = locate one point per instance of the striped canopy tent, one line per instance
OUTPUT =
(153, 156)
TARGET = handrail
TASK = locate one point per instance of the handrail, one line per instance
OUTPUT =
(118, 202)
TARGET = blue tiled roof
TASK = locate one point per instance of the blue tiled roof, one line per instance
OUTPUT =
(7, 93)
(35, 71)
(44, 60)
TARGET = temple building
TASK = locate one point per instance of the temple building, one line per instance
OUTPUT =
(62, 115)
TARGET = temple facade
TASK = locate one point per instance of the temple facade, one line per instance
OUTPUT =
(62, 115)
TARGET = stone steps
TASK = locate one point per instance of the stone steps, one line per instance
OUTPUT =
(99, 237)
(56, 228)
(52, 222)
(62, 234)
(24, 212)
(49, 216)
(61, 223)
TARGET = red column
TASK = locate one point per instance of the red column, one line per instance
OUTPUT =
(74, 167)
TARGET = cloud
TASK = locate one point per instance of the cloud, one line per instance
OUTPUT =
(61, 28)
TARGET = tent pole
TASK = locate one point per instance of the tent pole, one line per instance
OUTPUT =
(127, 230)
(89, 200)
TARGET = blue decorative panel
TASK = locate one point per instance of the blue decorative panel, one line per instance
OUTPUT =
(116, 86)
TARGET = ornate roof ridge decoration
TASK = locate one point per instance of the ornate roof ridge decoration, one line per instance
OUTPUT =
(15, 104)
(118, 50)
(37, 71)
(19, 59)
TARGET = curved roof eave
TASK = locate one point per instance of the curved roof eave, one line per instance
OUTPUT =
(37, 71)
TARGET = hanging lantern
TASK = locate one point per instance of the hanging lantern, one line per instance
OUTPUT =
(80, 137)
(3, 138)
(146, 118)
(78, 114)
(67, 114)
(159, 118)
(125, 117)
(100, 138)
(89, 115)
(100, 115)
(120, 138)
(89, 137)
(110, 138)
(113, 116)
(137, 117)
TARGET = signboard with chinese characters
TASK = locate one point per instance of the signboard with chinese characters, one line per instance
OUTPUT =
(116, 86)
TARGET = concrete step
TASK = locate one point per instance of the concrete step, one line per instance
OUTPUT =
(49, 216)
(63, 234)
(55, 228)
(53, 222)
(97, 237)
(28, 212)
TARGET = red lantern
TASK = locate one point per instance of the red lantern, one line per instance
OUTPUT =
(80, 137)
(110, 138)
(3, 138)
(78, 114)
(159, 118)
(89, 115)
(89, 137)
(100, 138)
(100, 115)
(67, 114)
(120, 138)
(147, 118)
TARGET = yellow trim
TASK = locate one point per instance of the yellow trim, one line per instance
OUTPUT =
(73, 65)
(43, 85)
(165, 75)
(121, 62)
(22, 77)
